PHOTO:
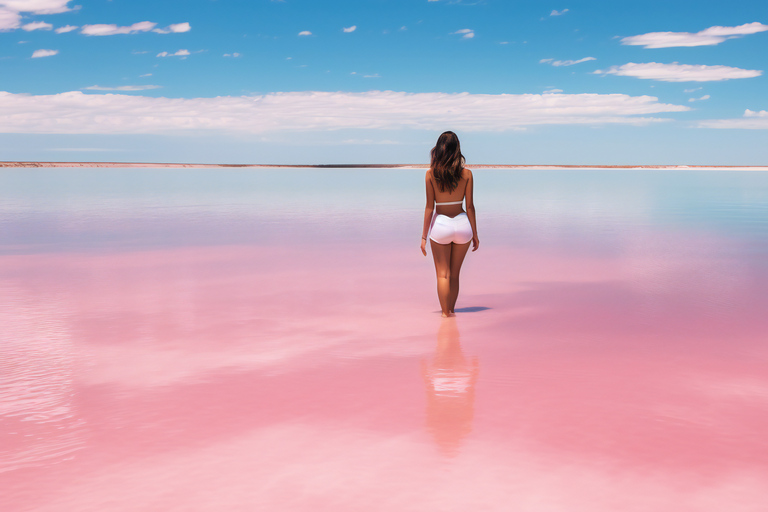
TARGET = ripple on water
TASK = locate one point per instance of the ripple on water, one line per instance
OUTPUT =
(38, 419)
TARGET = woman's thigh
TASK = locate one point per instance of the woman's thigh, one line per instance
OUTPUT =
(441, 253)
(458, 251)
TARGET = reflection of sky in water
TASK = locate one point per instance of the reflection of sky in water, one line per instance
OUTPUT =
(272, 335)
(137, 207)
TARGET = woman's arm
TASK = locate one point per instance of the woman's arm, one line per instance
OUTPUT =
(470, 202)
(428, 211)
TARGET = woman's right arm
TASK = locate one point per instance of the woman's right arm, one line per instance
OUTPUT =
(428, 211)
(470, 202)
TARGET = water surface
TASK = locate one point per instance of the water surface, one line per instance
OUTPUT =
(206, 340)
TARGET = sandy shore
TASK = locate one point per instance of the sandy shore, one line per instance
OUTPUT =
(140, 165)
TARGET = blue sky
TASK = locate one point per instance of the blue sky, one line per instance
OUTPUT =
(299, 81)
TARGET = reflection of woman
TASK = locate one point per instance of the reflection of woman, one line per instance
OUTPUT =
(450, 381)
(449, 183)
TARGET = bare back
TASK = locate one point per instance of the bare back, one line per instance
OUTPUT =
(463, 189)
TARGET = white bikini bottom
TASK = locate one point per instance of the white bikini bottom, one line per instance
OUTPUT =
(451, 229)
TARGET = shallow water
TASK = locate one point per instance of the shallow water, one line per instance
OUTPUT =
(206, 340)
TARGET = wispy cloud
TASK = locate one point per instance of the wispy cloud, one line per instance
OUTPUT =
(176, 28)
(43, 53)
(679, 72)
(694, 89)
(66, 28)
(752, 120)
(466, 33)
(136, 28)
(82, 149)
(705, 97)
(177, 53)
(305, 33)
(368, 142)
(145, 75)
(37, 25)
(233, 54)
(112, 29)
(707, 37)
(375, 75)
(123, 88)
(77, 112)
(555, 12)
(565, 62)
(350, 29)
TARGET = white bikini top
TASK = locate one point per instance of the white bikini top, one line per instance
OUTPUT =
(452, 202)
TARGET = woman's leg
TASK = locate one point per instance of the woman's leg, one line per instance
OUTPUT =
(442, 256)
(458, 252)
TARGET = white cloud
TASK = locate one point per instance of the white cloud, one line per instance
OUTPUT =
(467, 33)
(36, 6)
(180, 27)
(350, 29)
(375, 75)
(305, 33)
(76, 112)
(555, 12)
(10, 17)
(145, 75)
(565, 62)
(680, 72)
(123, 88)
(707, 37)
(705, 97)
(37, 25)
(175, 28)
(43, 53)
(178, 53)
(752, 120)
(9, 20)
(234, 54)
(65, 29)
(112, 29)
(694, 89)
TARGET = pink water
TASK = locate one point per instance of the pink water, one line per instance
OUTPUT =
(215, 341)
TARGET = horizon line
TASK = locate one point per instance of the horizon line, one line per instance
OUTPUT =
(43, 164)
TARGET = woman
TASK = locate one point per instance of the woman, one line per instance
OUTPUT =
(448, 184)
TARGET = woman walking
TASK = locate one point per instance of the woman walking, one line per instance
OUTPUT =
(448, 184)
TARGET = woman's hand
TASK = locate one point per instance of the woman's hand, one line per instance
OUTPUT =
(424, 246)
(475, 243)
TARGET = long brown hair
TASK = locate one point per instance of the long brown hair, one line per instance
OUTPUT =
(447, 161)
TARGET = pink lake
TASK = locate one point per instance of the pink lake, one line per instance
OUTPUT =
(246, 340)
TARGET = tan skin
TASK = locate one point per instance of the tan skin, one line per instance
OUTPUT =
(449, 257)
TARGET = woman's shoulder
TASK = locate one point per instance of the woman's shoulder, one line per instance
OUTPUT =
(466, 172)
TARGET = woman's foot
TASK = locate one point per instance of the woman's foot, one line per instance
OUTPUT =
(449, 314)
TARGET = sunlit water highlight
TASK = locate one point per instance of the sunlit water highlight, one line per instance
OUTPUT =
(206, 340)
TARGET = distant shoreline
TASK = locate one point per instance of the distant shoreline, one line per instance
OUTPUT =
(140, 165)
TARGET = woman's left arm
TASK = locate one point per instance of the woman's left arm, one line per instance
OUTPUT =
(470, 202)
(429, 209)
